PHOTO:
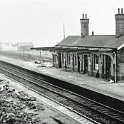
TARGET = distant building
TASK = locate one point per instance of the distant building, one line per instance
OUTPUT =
(95, 55)
(8, 46)
(42, 52)
(24, 46)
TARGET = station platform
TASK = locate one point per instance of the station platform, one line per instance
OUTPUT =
(115, 90)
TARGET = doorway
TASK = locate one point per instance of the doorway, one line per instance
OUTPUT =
(85, 63)
(79, 64)
(108, 67)
(59, 60)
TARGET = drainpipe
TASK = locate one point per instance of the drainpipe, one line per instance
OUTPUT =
(40, 55)
(115, 67)
(53, 56)
(65, 60)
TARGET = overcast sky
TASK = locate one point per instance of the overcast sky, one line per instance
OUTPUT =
(41, 21)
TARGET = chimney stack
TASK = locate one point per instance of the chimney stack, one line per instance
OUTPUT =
(119, 19)
(84, 25)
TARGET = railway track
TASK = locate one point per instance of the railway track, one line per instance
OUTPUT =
(84, 106)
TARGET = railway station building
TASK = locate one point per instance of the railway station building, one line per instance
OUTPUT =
(101, 56)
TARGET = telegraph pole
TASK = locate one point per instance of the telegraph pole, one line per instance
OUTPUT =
(63, 30)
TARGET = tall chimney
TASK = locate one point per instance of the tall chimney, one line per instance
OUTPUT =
(119, 19)
(84, 21)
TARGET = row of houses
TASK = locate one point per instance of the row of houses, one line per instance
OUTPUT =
(95, 55)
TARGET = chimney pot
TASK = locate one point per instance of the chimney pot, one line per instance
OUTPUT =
(121, 10)
(84, 25)
(92, 33)
(85, 16)
(118, 10)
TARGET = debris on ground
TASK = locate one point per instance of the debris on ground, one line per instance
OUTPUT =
(40, 107)
(20, 107)
(14, 105)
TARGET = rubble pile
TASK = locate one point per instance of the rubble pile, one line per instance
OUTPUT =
(16, 107)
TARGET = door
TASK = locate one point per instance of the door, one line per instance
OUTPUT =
(85, 63)
(59, 60)
(108, 67)
(78, 64)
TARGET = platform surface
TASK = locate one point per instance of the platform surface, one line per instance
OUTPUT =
(115, 90)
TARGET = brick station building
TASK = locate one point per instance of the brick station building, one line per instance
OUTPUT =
(101, 55)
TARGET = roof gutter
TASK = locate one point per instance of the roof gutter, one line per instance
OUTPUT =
(86, 47)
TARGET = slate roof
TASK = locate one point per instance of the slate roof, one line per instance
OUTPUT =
(100, 41)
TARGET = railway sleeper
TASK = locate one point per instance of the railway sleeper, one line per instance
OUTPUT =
(115, 114)
(106, 110)
(118, 117)
(89, 104)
